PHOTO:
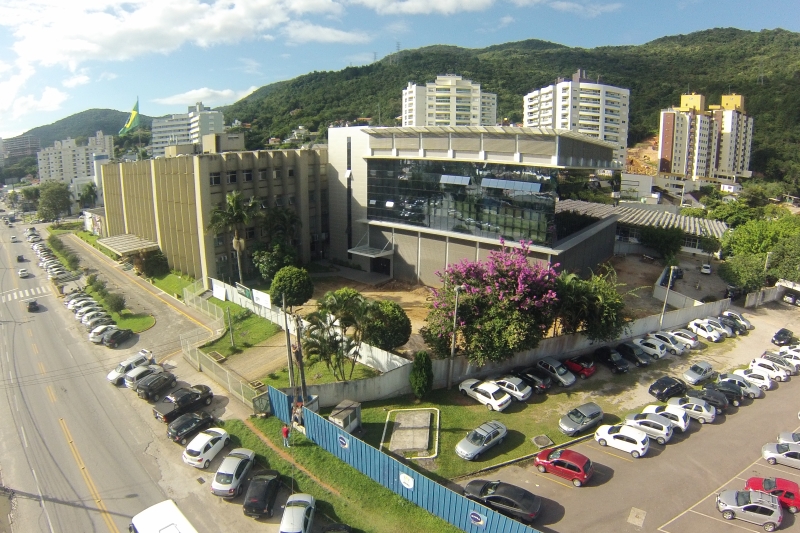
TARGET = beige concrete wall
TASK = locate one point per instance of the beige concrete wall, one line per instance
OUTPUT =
(137, 193)
(112, 193)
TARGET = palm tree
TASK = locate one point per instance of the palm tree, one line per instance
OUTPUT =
(281, 224)
(233, 216)
(88, 195)
(324, 342)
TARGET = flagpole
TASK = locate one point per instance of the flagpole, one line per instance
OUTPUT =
(139, 129)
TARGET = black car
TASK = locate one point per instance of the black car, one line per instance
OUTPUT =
(731, 391)
(182, 428)
(151, 387)
(182, 401)
(534, 377)
(20, 258)
(634, 354)
(32, 306)
(612, 359)
(505, 498)
(782, 337)
(714, 398)
(736, 326)
(260, 497)
(678, 273)
(667, 387)
(113, 338)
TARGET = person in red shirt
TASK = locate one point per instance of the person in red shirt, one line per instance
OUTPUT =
(285, 433)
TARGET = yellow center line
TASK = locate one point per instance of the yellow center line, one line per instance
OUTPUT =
(88, 479)
(50, 393)
(41, 368)
(35, 348)
(30, 333)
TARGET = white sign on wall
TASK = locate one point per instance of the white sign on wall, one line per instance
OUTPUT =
(407, 481)
(262, 298)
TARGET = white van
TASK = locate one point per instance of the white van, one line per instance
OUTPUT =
(161, 517)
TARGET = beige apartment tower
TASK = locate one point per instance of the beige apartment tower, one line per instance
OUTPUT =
(448, 101)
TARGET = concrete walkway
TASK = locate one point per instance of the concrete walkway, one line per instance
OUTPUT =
(367, 278)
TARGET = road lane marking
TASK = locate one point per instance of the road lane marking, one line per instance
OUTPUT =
(41, 501)
(30, 333)
(24, 438)
(88, 479)
(35, 349)
(41, 368)
(781, 470)
(50, 393)
(611, 454)
(728, 522)
(10, 376)
(550, 477)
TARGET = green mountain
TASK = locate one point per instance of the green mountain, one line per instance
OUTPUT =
(85, 124)
(763, 66)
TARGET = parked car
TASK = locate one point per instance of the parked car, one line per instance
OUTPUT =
(751, 506)
(703, 329)
(204, 447)
(624, 438)
(715, 399)
(229, 480)
(634, 354)
(705, 269)
(259, 500)
(782, 453)
(182, 428)
(654, 426)
(791, 354)
(486, 392)
(515, 387)
(787, 437)
(117, 376)
(769, 369)
(667, 387)
(556, 370)
(84, 310)
(731, 391)
(780, 362)
(698, 372)
(77, 303)
(96, 336)
(182, 401)
(580, 419)
(505, 498)
(676, 416)
(783, 337)
(114, 338)
(698, 409)
(151, 387)
(787, 492)
(133, 376)
(748, 389)
(672, 344)
(652, 347)
(719, 327)
(739, 317)
(538, 381)
(689, 338)
(96, 322)
(582, 366)
(733, 325)
(612, 359)
(481, 439)
(565, 463)
(760, 379)
(298, 514)
(88, 317)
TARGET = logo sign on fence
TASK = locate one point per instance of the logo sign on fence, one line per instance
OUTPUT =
(344, 442)
(262, 298)
(407, 481)
(477, 519)
(244, 291)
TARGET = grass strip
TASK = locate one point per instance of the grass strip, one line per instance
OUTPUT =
(319, 374)
(172, 283)
(136, 322)
(249, 330)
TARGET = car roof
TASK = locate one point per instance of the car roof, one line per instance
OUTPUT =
(486, 427)
(573, 457)
(589, 407)
(488, 386)
(233, 459)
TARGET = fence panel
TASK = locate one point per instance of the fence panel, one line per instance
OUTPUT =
(281, 405)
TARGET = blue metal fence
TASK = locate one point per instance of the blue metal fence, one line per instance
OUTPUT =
(397, 477)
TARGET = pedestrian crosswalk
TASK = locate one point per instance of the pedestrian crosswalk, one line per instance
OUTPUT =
(25, 293)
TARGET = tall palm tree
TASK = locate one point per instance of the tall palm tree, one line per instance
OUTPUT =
(88, 195)
(233, 216)
(281, 224)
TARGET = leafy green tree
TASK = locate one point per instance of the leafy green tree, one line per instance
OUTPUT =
(31, 194)
(115, 302)
(745, 271)
(282, 224)
(784, 263)
(593, 306)
(710, 245)
(271, 260)
(324, 342)
(88, 195)
(734, 213)
(760, 236)
(13, 198)
(421, 376)
(73, 261)
(387, 326)
(54, 200)
(295, 283)
(666, 242)
(155, 264)
(696, 212)
(234, 215)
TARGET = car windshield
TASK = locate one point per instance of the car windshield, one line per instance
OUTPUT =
(192, 453)
(475, 437)
(225, 478)
(296, 503)
(561, 370)
(782, 448)
(742, 498)
(184, 425)
(615, 356)
(769, 483)
(122, 369)
(576, 416)
(697, 369)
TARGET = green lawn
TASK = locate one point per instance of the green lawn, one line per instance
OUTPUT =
(137, 322)
(172, 284)
(364, 504)
(91, 238)
(315, 375)
(249, 329)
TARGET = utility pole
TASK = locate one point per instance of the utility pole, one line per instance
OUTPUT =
(298, 355)
(288, 341)
(458, 289)
(666, 295)
(230, 327)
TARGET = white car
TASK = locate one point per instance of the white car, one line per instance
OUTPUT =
(652, 347)
(23, 273)
(298, 514)
(623, 437)
(518, 389)
(205, 446)
(768, 368)
(760, 379)
(672, 344)
(96, 336)
(655, 426)
(703, 329)
(739, 317)
(721, 328)
(780, 362)
(86, 309)
(751, 390)
(677, 416)
(791, 354)
(686, 337)
(88, 317)
(705, 269)
(75, 301)
(486, 392)
(91, 302)
(695, 408)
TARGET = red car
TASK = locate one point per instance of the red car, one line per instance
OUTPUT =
(565, 463)
(581, 365)
(788, 492)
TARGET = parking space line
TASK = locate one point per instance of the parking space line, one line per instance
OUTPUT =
(600, 449)
(767, 465)
(551, 478)
(728, 522)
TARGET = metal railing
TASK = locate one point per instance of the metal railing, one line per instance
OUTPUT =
(191, 297)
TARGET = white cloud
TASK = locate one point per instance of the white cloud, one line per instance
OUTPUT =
(505, 21)
(397, 28)
(50, 100)
(74, 81)
(299, 32)
(423, 7)
(585, 8)
(249, 66)
(107, 76)
(205, 95)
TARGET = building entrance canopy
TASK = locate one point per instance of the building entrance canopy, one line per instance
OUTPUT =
(128, 244)
(367, 251)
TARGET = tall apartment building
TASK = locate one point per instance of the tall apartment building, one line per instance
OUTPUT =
(185, 128)
(583, 105)
(65, 161)
(20, 146)
(704, 144)
(448, 101)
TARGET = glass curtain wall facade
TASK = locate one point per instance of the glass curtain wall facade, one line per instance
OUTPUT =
(515, 202)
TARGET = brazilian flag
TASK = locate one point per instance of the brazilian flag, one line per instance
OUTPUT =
(133, 120)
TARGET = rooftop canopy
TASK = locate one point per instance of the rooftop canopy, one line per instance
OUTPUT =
(128, 244)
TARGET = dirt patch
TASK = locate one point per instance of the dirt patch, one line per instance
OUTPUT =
(638, 276)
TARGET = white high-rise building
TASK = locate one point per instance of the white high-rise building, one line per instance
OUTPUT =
(65, 161)
(185, 128)
(583, 105)
(448, 101)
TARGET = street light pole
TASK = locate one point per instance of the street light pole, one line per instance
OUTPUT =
(761, 289)
(458, 289)
(666, 295)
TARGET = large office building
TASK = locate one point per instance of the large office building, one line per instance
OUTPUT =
(448, 101)
(185, 128)
(582, 105)
(65, 161)
(701, 145)
(21, 146)
(166, 203)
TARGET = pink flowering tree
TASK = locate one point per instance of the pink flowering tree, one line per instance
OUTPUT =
(506, 306)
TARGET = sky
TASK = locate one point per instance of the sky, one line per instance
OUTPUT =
(61, 57)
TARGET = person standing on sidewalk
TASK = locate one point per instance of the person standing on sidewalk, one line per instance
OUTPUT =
(285, 433)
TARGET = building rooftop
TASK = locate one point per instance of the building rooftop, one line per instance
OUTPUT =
(700, 227)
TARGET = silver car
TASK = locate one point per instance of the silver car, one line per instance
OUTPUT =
(655, 426)
(674, 345)
(750, 390)
(557, 371)
(515, 387)
(298, 514)
(583, 417)
(788, 437)
(695, 408)
(481, 439)
(721, 328)
(780, 362)
(699, 372)
(686, 337)
(782, 453)
(751, 506)
(229, 479)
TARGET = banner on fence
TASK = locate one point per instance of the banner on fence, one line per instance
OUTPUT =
(218, 291)
(244, 291)
(262, 298)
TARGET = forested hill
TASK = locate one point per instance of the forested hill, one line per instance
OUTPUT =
(764, 66)
(85, 124)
